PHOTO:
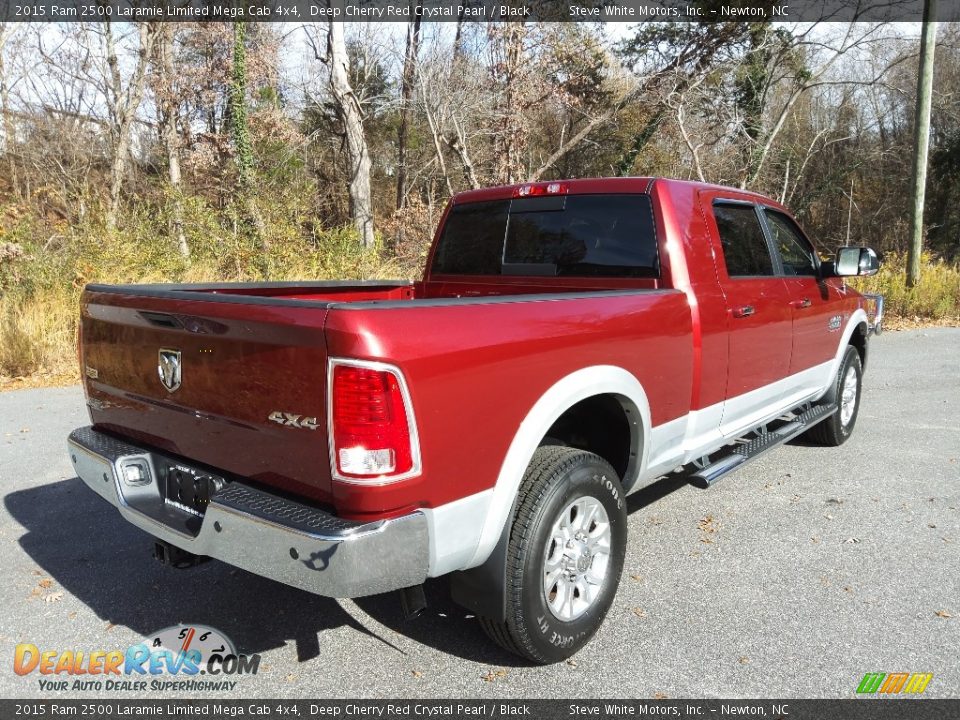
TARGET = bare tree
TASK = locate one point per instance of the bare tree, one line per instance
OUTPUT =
(406, 97)
(789, 80)
(358, 156)
(123, 103)
(506, 46)
(6, 30)
(169, 111)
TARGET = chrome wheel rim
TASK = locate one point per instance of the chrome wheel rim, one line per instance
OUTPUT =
(848, 396)
(576, 559)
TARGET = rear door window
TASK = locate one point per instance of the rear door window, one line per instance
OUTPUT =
(575, 235)
(745, 249)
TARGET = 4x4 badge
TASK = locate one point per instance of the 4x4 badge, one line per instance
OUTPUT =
(168, 368)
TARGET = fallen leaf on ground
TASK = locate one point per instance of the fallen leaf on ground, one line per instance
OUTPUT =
(744, 660)
(493, 676)
(638, 578)
(45, 583)
(660, 696)
(639, 612)
(109, 627)
(53, 597)
(571, 662)
(416, 673)
(943, 614)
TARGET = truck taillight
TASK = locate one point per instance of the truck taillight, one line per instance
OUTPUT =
(536, 189)
(373, 435)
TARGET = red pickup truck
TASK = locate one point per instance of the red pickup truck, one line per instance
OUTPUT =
(570, 343)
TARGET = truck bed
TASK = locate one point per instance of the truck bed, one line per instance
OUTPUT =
(253, 350)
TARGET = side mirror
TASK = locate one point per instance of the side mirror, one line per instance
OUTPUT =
(853, 261)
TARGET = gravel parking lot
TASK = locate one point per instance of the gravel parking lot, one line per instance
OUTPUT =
(791, 578)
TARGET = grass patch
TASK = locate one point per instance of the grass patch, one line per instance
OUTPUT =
(936, 298)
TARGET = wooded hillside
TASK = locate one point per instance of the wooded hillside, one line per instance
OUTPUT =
(164, 151)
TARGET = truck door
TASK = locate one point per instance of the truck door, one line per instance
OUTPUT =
(759, 315)
(817, 316)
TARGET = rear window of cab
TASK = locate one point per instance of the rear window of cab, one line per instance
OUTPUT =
(568, 235)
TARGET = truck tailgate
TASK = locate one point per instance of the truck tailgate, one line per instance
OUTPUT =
(240, 362)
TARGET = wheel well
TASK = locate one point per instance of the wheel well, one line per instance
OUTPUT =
(606, 425)
(858, 339)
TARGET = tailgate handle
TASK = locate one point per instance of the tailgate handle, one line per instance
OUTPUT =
(161, 319)
(745, 311)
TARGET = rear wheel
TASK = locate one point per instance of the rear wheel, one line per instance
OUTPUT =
(837, 428)
(564, 557)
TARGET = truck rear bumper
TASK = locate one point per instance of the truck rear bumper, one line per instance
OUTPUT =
(255, 530)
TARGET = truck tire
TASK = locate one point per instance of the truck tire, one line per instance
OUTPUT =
(564, 556)
(837, 428)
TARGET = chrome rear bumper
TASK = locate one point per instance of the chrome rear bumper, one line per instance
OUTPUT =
(257, 531)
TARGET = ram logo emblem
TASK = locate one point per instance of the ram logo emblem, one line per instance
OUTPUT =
(168, 368)
(834, 323)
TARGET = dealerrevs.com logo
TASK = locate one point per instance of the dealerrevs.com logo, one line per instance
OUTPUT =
(189, 658)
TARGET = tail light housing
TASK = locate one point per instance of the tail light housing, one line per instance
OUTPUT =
(372, 430)
(543, 188)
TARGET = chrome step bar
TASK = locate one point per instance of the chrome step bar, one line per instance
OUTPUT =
(756, 443)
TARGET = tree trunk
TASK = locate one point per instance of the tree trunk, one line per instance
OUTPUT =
(510, 132)
(169, 112)
(243, 150)
(921, 138)
(8, 132)
(406, 96)
(458, 38)
(123, 106)
(358, 156)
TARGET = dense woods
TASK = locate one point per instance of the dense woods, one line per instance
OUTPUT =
(162, 151)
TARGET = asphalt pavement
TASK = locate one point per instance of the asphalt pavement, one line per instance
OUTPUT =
(791, 578)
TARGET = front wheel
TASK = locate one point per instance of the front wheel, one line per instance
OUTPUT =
(837, 428)
(564, 557)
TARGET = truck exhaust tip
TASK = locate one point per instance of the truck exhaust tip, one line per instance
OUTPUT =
(413, 601)
(167, 554)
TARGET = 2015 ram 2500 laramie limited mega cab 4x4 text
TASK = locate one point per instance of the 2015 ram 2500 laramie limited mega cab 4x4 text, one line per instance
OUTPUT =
(570, 343)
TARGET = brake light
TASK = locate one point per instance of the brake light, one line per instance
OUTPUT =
(372, 431)
(535, 189)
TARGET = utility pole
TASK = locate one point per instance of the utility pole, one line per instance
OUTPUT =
(921, 138)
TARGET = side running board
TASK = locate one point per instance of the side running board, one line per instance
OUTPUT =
(756, 443)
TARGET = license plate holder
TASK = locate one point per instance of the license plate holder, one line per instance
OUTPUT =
(186, 488)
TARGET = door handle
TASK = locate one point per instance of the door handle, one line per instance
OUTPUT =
(745, 311)
(801, 304)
